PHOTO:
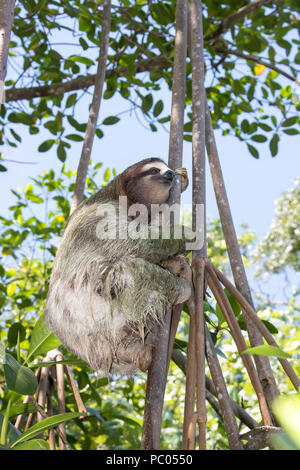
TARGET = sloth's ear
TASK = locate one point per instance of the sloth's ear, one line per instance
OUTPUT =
(184, 177)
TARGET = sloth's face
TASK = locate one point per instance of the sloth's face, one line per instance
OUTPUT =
(158, 173)
(149, 182)
(154, 181)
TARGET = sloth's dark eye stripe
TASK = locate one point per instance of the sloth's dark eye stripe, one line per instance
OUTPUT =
(147, 172)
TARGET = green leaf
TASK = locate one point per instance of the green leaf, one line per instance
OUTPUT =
(47, 423)
(158, 108)
(21, 408)
(16, 136)
(291, 131)
(33, 444)
(79, 127)
(245, 126)
(81, 60)
(147, 103)
(272, 328)
(253, 151)
(234, 303)
(10, 289)
(12, 335)
(220, 315)
(110, 120)
(19, 378)
(290, 121)
(267, 350)
(5, 424)
(107, 174)
(84, 24)
(84, 44)
(274, 145)
(74, 137)
(99, 133)
(42, 340)
(265, 127)
(2, 168)
(61, 152)
(259, 138)
(287, 411)
(12, 433)
(46, 145)
(2, 352)
(71, 100)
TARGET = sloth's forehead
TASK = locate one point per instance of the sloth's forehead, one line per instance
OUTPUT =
(160, 165)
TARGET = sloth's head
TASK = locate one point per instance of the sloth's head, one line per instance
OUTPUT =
(148, 181)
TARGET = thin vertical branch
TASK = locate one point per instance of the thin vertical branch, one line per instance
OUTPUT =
(176, 129)
(41, 394)
(156, 389)
(262, 328)
(60, 399)
(227, 412)
(51, 434)
(199, 199)
(180, 359)
(94, 109)
(262, 363)
(80, 405)
(198, 278)
(198, 116)
(157, 374)
(6, 20)
(178, 95)
(188, 437)
(238, 338)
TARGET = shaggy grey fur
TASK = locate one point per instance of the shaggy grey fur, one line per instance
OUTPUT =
(107, 296)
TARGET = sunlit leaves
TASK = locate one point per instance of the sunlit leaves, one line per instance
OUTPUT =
(18, 378)
(42, 340)
(281, 246)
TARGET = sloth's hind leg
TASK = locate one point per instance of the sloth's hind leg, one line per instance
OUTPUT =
(134, 350)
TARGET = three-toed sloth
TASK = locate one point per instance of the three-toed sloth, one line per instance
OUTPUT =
(109, 290)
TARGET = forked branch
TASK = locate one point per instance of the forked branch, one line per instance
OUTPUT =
(94, 109)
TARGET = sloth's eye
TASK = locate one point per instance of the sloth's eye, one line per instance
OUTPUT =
(154, 171)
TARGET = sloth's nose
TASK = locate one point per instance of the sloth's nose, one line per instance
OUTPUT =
(169, 174)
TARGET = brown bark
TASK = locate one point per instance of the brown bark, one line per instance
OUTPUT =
(226, 408)
(6, 20)
(180, 359)
(94, 109)
(238, 338)
(157, 374)
(237, 266)
(262, 328)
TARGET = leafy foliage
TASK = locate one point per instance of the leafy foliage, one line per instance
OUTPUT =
(281, 246)
(57, 43)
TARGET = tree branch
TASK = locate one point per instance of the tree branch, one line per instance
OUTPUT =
(239, 15)
(94, 110)
(257, 60)
(28, 93)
